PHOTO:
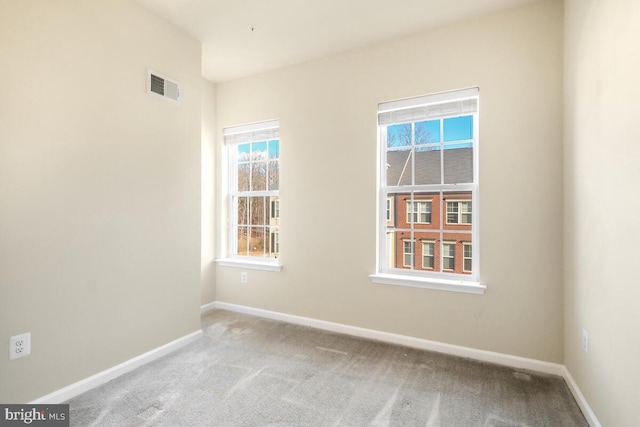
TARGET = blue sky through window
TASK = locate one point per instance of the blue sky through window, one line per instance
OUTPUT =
(428, 132)
(260, 149)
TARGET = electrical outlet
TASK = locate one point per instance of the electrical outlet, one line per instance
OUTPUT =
(585, 341)
(20, 346)
(243, 277)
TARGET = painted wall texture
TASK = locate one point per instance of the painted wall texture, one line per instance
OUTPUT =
(99, 189)
(208, 215)
(327, 110)
(602, 59)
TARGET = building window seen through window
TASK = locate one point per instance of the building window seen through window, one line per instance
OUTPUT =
(468, 257)
(428, 255)
(408, 254)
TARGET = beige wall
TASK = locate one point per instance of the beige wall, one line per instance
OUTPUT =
(601, 207)
(99, 189)
(208, 217)
(327, 112)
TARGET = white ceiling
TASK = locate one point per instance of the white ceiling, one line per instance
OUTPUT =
(293, 31)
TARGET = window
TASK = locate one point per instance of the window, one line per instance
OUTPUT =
(428, 255)
(275, 242)
(429, 159)
(254, 183)
(449, 256)
(408, 254)
(275, 208)
(388, 209)
(467, 256)
(419, 212)
(458, 212)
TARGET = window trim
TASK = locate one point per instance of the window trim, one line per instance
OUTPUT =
(424, 278)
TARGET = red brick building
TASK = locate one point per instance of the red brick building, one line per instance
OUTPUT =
(429, 231)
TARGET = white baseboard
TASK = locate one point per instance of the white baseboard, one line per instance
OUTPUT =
(104, 377)
(423, 344)
(208, 307)
(582, 402)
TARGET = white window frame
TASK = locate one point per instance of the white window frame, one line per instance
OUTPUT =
(412, 110)
(233, 137)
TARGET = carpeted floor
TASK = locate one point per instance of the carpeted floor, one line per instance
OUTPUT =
(248, 371)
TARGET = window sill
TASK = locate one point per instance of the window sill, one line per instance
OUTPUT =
(253, 265)
(464, 286)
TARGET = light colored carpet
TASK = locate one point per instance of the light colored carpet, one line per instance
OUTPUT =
(248, 371)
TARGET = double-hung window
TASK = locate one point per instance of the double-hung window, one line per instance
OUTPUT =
(254, 197)
(419, 211)
(458, 212)
(428, 159)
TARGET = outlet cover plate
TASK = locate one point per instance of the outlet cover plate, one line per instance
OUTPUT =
(19, 346)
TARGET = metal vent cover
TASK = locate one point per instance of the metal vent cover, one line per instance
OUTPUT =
(162, 86)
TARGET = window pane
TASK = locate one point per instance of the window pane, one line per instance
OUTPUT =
(467, 251)
(427, 254)
(458, 128)
(448, 256)
(467, 254)
(427, 132)
(274, 149)
(244, 152)
(243, 176)
(428, 166)
(448, 249)
(452, 212)
(259, 151)
(242, 212)
(259, 176)
(399, 135)
(274, 175)
(458, 165)
(274, 210)
(256, 241)
(274, 244)
(408, 254)
(256, 210)
(399, 167)
(242, 235)
(390, 244)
